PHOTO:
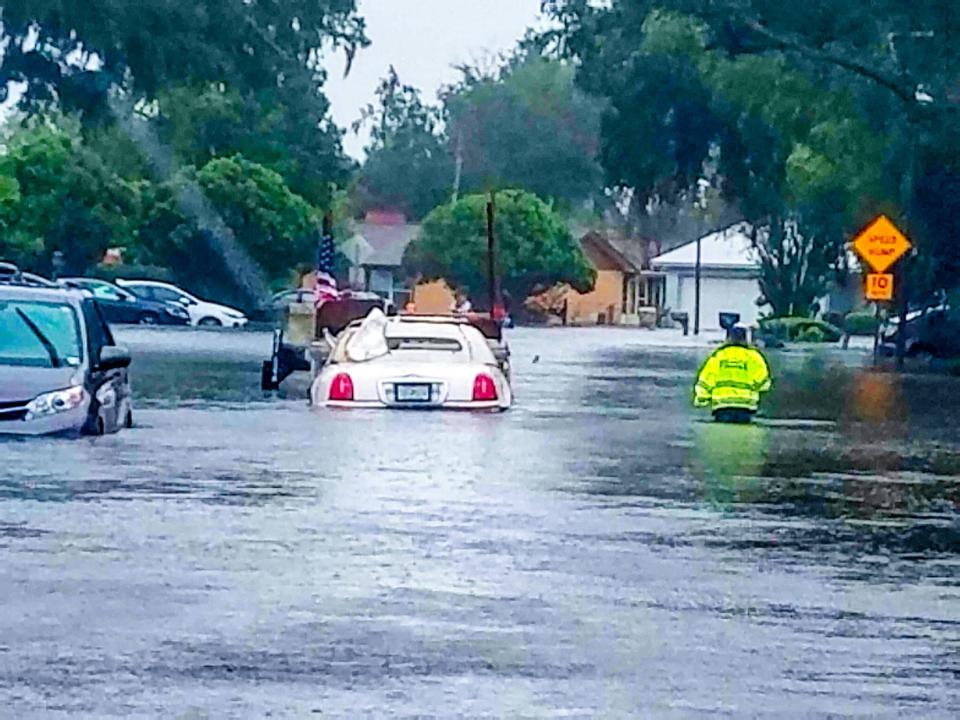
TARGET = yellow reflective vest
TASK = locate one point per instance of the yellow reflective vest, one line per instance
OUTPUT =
(733, 377)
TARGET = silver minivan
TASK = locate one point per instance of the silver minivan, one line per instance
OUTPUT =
(60, 369)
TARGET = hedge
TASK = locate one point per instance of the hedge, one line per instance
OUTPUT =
(800, 329)
(861, 323)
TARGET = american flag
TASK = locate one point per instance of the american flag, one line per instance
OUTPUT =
(326, 288)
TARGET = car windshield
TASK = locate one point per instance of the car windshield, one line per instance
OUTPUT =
(105, 291)
(39, 334)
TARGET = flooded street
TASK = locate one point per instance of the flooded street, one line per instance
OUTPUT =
(599, 551)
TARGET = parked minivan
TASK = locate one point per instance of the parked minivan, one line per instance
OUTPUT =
(60, 369)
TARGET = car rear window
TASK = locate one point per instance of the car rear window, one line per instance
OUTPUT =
(414, 344)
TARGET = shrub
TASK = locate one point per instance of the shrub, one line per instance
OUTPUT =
(861, 323)
(812, 334)
(797, 329)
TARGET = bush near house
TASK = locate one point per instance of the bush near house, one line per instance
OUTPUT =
(550, 303)
(800, 329)
(812, 334)
(861, 323)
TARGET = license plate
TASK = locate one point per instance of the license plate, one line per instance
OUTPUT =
(413, 393)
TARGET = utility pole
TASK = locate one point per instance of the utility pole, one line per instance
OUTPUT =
(493, 276)
(696, 298)
(458, 174)
(701, 209)
(907, 187)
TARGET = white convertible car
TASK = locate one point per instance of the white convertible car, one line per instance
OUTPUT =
(414, 362)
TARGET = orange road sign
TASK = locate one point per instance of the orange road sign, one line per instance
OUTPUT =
(882, 244)
(879, 287)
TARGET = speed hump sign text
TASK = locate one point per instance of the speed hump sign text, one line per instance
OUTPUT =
(882, 244)
(879, 287)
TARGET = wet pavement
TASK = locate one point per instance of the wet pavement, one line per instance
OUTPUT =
(599, 551)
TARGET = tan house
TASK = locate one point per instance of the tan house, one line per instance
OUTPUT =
(625, 293)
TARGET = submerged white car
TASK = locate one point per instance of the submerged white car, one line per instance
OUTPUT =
(413, 362)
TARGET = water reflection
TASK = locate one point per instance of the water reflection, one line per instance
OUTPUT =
(596, 542)
(728, 461)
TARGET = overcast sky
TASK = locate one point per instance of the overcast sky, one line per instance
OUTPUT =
(423, 39)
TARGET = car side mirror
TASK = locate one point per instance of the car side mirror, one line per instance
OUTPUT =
(114, 357)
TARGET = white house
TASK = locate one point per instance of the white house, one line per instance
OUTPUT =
(730, 272)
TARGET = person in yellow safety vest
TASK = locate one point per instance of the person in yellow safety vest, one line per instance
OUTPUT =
(732, 380)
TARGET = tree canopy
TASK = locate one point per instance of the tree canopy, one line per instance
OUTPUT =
(526, 126)
(409, 166)
(818, 117)
(132, 109)
(74, 51)
(536, 249)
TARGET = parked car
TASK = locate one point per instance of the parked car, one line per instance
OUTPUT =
(60, 369)
(36, 280)
(413, 362)
(120, 306)
(934, 333)
(10, 273)
(202, 312)
(285, 298)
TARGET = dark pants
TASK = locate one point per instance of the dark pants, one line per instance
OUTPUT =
(734, 416)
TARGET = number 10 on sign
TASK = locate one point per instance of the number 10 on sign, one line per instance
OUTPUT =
(880, 287)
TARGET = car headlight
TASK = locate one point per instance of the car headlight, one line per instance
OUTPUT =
(235, 315)
(56, 402)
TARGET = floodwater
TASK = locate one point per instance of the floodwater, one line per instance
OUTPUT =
(599, 551)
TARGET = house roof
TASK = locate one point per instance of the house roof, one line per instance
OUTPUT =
(729, 249)
(612, 252)
(381, 245)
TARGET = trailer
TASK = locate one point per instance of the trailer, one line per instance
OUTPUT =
(305, 337)
(302, 340)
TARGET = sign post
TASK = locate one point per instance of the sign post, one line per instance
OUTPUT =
(881, 245)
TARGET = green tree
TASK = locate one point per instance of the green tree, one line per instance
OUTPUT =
(60, 196)
(409, 166)
(536, 249)
(526, 126)
(270, 225)
(275, 226)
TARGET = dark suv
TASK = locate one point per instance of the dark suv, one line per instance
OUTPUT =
(933, 333)
(121, 306)
(60, 369)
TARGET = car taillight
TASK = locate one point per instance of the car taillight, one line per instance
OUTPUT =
(341, 388)
(484, 389)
